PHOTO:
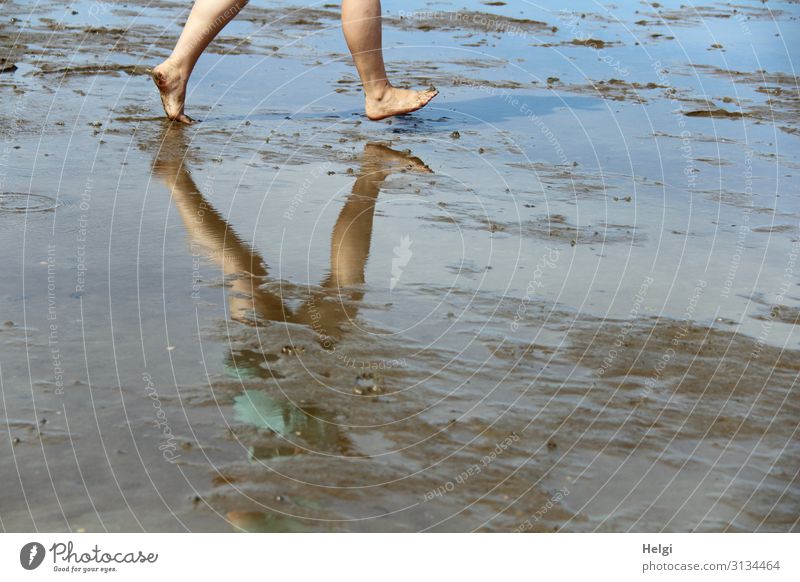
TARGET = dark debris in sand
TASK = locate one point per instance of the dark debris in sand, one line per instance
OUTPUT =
(470, 20)
(7, 66)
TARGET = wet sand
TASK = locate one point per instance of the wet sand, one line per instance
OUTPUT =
(562, 297)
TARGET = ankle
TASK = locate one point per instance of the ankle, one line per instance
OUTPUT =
(177, 68)
(377, 90)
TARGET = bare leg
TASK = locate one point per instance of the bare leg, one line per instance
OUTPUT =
(361, 23)
(205, 21)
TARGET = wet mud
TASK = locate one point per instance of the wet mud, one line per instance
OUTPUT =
(562, 297)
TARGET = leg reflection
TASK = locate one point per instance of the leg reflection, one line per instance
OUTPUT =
(212, 236)
(326, 310)
(350, 243)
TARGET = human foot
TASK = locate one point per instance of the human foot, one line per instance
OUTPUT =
(171, 84)
(395, 101)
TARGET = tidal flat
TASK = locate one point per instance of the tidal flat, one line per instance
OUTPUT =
(562, 297)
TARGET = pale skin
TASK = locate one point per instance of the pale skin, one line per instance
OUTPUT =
(361, 24)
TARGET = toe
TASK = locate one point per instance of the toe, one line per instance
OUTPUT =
(426, 96)
(183, 118)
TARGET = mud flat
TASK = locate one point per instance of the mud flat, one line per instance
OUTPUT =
(563, 297)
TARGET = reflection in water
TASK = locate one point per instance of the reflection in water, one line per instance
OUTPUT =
(263, 522)
(316, 426)
(246, 363)
(325, 310)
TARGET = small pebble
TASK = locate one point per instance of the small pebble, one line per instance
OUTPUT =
(292, 350)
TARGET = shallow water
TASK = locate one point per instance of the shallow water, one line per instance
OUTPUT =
(562, 297)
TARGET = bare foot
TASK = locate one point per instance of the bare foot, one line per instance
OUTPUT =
(172, 86)
(398, 102)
